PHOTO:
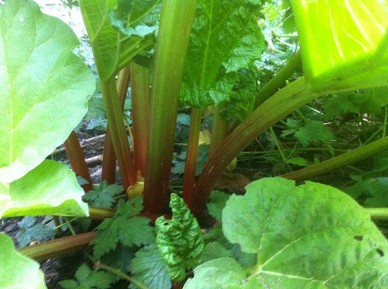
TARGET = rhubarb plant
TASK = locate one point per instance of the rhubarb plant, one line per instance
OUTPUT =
(201, 54)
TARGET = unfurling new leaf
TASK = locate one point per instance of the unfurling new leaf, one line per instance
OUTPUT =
(179, 240)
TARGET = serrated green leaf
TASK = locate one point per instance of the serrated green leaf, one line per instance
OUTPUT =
(149, 268)
(225, 38)
(103, 195)
(351, 50)
(28, 276)
(112, 50)
(179, 240)
(30, 230)
(85, 278)
(371, 192)
(308, 131)
(311, 236)
(337, 105)
(49, 189)
(137, 231)
(125, 228)
(44, 87)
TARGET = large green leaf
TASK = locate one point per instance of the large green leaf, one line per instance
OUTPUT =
(16, 270)
(113, 50)
(44, 87)
(225, 41)
(310, 236)
(343, 43)
(49, 189)
(220, 273)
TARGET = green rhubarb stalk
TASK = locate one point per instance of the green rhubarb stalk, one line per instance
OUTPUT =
(378, 214)
(219, 131)
(173, 37)
(271, 111)
(77, 160)
(343, 160)
(100, 213)
(120, 274)
(109, 157)
(192, 154)
(279, 80)
(108, 170)
(117, 132)
(58, 247)
(140, 85)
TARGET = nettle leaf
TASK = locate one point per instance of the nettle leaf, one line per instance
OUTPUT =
(32, 230)
(103, 195)
(308, 131)
(112, 49)
(124, 228)
(343, 43)
(149, 268)
(225, 38)
(59, 193)
(307, 236)
(85, 278)
(371, 192)
(136, 17)
(28, 276)
(44, 87)
(180, 241)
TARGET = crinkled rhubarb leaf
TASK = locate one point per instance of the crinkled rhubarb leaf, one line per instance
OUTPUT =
(16, 270)
(225, 40)
(179, 240)
(57, 194)
(344, 44)
(44, 87)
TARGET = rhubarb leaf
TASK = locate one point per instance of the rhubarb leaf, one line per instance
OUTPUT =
(343, 43)
(44, 87)
(28, 276)
(112, 49)
(136, 17)
(58, 193)
(307, 236)
(219, 273)
(225, 39)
